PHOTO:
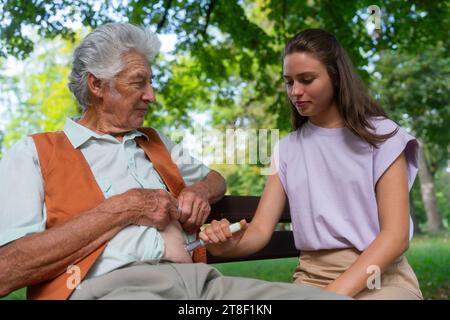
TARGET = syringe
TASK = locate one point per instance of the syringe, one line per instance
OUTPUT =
(234, 227)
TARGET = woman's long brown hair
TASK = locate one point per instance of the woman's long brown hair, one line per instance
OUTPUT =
(354, 104)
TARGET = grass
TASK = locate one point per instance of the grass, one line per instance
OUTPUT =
(16, 295)
(429, 256)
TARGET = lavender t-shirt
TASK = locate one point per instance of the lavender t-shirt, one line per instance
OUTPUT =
(329, 176)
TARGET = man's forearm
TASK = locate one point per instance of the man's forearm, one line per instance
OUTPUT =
(216, 186)
(42, 256)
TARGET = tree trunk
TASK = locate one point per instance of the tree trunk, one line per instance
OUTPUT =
(434, 220)
(416, 226)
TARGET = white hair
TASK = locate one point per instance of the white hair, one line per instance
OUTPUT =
(101, 52)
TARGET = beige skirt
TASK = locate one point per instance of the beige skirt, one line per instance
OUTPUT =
(320, 268)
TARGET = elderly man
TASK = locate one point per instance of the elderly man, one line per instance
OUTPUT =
(103, 202)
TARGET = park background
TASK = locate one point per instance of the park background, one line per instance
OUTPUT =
(220, 68)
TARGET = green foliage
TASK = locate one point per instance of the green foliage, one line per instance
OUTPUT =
(415, 90)
(243, 179)
(16, 13)
(44, 99)
(235, 42)
(417, 206)
(442, 190)
(255, 25)
(2, 136)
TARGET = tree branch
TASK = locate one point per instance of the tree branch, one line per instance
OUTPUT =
(212, 4)
(164, 18)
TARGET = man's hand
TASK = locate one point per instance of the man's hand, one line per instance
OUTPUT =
(194, 206)
(34, 258)
(147, 207)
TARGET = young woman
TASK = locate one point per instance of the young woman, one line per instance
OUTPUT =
(346, 170)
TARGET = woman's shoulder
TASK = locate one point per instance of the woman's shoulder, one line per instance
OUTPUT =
(389, 150)
(290, 139)
(383, 125)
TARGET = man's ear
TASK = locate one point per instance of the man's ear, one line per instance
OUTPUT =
(95, 86)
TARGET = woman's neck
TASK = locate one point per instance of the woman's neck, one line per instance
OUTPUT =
(330, 118)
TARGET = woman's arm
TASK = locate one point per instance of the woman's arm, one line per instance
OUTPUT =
(258, 232)
(392, 241)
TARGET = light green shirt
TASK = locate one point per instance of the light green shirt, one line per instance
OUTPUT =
(117, 167)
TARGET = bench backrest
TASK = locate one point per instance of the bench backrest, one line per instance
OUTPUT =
(235, 208)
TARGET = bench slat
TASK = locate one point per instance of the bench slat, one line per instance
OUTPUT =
(280, 246)
(235, 208)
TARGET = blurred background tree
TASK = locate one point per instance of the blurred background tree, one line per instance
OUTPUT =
(415, 90)
(42, 99)
(226, 64)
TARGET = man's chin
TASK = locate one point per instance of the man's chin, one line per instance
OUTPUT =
(137, 123)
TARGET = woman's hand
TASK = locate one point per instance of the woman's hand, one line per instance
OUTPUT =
(219, 232)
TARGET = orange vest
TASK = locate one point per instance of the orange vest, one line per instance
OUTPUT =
(70, 189)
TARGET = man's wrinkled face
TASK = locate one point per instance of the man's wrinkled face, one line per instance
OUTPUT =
(126, 98)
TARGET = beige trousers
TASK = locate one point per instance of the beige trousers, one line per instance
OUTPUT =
(189, 281)
(320, 268)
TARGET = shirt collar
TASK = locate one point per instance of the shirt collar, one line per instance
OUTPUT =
(79, 134)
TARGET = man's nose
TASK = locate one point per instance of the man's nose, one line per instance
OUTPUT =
(149, 94)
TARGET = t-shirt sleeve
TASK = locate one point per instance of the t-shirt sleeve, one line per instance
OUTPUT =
(391, 149)
(21, 193)
(191, 169)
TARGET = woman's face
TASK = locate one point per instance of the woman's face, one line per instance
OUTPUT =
(308, 84)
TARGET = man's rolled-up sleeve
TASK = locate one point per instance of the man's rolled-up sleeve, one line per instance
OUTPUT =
(22, 209)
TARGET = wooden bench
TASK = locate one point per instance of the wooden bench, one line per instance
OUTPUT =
(235, 208)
